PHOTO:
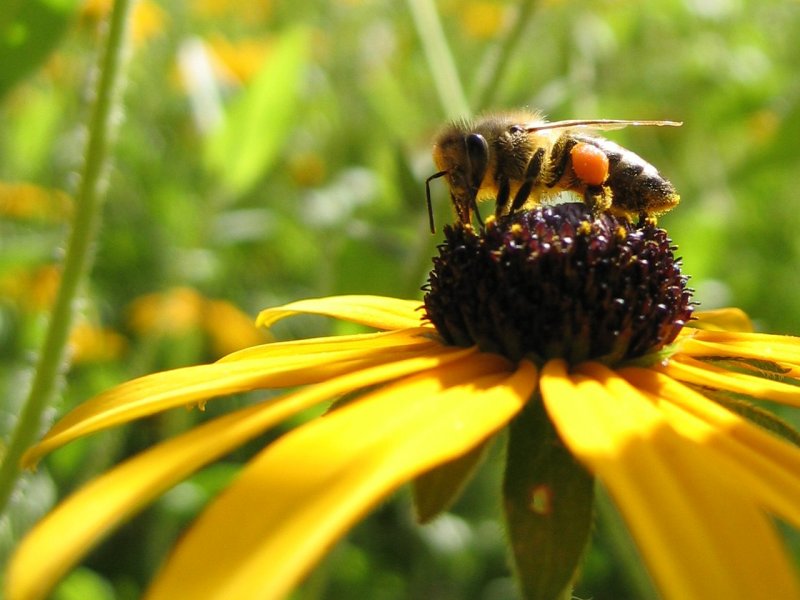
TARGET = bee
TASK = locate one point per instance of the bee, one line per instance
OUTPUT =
(519, 159)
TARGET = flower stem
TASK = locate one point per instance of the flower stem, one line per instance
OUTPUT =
(78, 257)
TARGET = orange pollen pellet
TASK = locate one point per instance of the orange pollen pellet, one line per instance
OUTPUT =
(590, 163)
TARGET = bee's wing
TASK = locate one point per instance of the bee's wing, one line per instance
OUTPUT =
(597, 124)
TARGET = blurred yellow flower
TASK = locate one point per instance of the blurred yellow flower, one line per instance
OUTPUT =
(32, 290)
(29, 201)
(229, 328)
(307, 169)
(483, 19)
(90, 343)
(173, 313)
(247, 11)
(240, 60)
(147, 20)
(182, 310)
(763, 125)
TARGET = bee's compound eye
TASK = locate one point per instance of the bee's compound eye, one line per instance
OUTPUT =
(590, 163)
(478, 155)
(477, 147)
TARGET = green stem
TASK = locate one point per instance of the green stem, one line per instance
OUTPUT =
(440, 60)
(486, 91)
(78, 257)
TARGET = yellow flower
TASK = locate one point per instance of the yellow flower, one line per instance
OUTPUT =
(658, 417)
(176, 312)
(147, 21)
(483, 20)
(31, 202)
(239, 61)
(181, 311)
(31, 290)
(92, 343)
(228, 328)
(254, 12)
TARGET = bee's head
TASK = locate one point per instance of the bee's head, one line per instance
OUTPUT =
(462, 157)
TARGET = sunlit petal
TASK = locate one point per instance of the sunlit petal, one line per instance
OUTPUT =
(371, 342)
(75, 525)
(304, 491)
(700, 536)
(774, 342)
(757, 346)
(684, 368)
(161, 391)
(722, 319)
(754, 351)
(764, 465)
(374, 311)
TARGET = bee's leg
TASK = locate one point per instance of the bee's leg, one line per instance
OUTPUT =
(503, 196)
(463, 209)
(532, 174)
(477, 212)
(598, 198)
(646, 220)
(560, 159)
(522, 195)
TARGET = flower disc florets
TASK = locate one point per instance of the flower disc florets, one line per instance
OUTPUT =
(558, 282)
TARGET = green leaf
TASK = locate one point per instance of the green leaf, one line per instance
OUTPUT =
(256, 125)
(83, 583)
(548, 501)
(29, 31)
(437, 489)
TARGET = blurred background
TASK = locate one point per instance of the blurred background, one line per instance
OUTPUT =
(272, 151)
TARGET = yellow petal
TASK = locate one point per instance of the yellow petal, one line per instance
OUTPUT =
(304, 491)
(383, 340)
(66, 534)
(764, 465)
(373, 311)
(781, 343)
(752, 351)
(722, 319)
(779, 348)
(687, 369)
(161, 391)
(700, 536)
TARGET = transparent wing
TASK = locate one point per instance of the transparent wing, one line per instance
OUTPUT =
(597, 124)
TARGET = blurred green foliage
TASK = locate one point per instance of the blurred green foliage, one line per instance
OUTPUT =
(274, 151)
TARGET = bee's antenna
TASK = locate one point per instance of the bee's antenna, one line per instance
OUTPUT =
(428, 197)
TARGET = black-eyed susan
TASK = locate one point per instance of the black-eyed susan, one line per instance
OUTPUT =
(569, 328)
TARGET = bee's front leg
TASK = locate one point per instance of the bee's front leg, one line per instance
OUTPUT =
(503, 198)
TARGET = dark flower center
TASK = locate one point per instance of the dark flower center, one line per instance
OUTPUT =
(558, 282)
